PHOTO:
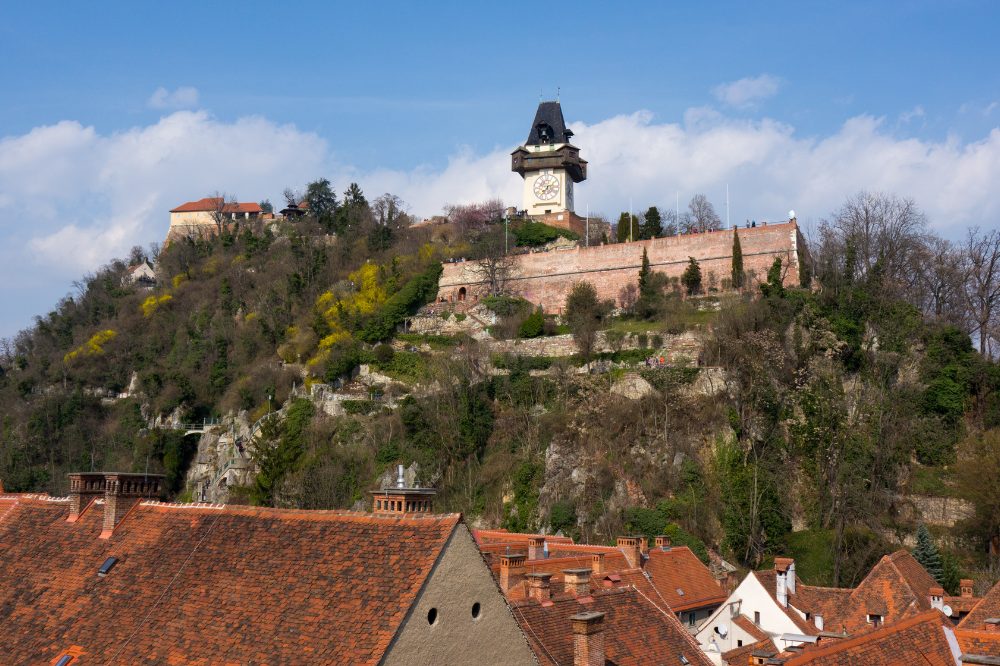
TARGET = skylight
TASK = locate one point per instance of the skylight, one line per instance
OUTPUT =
(64, 660)
(105, 568)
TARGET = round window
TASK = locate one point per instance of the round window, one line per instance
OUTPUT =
(432, 616)
(476, 611)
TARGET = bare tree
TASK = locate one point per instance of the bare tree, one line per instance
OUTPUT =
(496, 266)
(223, 207)
(941, 277)
(702, 216)
(982, 285)
(883, 231)
(389, 210)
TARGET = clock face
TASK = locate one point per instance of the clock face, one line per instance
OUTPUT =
(546, 187)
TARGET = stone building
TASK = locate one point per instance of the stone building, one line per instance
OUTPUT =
(196, 218)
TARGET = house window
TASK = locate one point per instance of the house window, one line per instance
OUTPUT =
(756, 617)
(739, 642)
(875, 620)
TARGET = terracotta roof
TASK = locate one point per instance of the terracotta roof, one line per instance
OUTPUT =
(636, 631)
(921, 639)
(209, 204)
(740, 656)
(895, 588)
(979, 642)
(988, 607)
(828, 602)
(682, 580)
(209, 584)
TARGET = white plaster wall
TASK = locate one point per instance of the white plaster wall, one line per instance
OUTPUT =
(751, 596)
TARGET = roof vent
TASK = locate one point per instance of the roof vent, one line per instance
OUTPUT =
(108, 565)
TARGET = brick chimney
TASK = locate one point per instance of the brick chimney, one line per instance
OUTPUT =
(84, 488)
(511, 570)
(588, 639)
(643, 545)
(936, 596)
(597, 563)
(541, 586)
(536, 548)
(631, 549)
(965, 587)
(662, 541)
(576, 581)
(124, 491)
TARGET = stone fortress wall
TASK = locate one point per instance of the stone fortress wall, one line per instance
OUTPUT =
(546, 278)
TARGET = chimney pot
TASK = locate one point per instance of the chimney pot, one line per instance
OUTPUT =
(577, 581)
(536, 548)
(936, 595)
(124, 491)
(588, 639)
(540, 587)
(629, 546)
(511, 569)
(597, 563)
(965, 587)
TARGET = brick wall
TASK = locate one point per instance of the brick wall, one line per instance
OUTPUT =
(546, 278)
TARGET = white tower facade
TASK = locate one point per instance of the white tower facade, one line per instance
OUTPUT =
(549, 164)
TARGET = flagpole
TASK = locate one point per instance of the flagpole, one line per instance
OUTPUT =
(588, 225)
(630, 219)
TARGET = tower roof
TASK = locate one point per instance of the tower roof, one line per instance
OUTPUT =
(548, 126)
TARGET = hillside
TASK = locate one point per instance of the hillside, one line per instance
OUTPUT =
(805, 421)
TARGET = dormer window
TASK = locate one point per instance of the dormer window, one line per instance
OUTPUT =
(874, 619)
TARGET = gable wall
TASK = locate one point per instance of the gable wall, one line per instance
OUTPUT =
(460, 579)
(751, 596)
(546, 278)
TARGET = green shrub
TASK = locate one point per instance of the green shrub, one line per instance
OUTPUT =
(534, 234)
(359, 406)
(384, 353)
(416, 293)
(533, 326)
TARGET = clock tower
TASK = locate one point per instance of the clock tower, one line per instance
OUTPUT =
(550, 166)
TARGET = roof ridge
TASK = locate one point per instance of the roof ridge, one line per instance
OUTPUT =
(302, 514)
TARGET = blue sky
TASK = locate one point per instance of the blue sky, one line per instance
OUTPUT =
(115, 112)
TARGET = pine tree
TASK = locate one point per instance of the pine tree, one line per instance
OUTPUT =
(644, 274)
(927, 554)
(691, 279)
(652, 224)
(628, 227)
(737, 262)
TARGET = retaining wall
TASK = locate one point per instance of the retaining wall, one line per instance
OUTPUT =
(546, 278)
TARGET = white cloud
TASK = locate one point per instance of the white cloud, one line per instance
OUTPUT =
(72, 198)
(184, 97)
(747, 91)
(913, 114)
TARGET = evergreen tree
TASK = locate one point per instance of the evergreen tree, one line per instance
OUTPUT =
(927, 554)
(691, 279)
(644, 274)
(628, 227)
(652, 224)
(738, 274)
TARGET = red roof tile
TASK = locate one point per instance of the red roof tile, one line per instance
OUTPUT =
(988, 607)
(209, 204)
(636, 631)
(921, 639)
(209, 585)
(682, 580)
(740, 656)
